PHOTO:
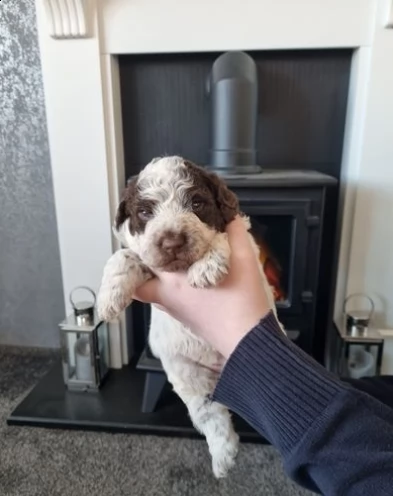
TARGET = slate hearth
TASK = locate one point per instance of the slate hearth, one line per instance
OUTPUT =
(116, 408)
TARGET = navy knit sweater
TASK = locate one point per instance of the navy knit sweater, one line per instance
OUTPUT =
(334, 439)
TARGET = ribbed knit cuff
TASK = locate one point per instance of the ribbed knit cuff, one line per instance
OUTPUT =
(274, 385)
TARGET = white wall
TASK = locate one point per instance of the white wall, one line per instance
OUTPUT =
(371, 254)
(370, 268)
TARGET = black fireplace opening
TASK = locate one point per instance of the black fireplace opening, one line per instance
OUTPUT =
(273, 235)
(299, 130)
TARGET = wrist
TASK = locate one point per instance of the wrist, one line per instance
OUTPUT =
(229, 339)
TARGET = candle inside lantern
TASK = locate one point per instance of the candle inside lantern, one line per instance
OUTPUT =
(82, 359)
(85, 346)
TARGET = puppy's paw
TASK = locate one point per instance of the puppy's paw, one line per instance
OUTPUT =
(224, 453)
(213, 267)
(207, 274)
(111, 301)
(123, 273)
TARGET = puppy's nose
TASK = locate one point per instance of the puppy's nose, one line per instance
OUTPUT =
(173, 241)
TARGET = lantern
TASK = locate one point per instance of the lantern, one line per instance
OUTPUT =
(84, 345)
(360, 344)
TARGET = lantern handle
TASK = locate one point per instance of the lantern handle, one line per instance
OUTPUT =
(87, 289)
(349, 297)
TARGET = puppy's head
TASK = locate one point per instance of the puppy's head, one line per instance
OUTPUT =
(171, 211)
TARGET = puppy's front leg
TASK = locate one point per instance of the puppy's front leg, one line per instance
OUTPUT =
(123, 274)
(213, 266)
(194, 383)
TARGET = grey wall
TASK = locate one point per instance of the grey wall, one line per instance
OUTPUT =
(31, 299)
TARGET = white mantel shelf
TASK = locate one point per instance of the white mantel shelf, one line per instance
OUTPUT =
(215, 25)
(81, 80)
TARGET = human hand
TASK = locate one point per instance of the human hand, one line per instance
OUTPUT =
(221, 315)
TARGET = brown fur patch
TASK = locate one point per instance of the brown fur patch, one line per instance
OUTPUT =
(221, 205)
(129, 206)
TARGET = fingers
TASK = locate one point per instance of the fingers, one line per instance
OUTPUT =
(148, 292)
(238, 234)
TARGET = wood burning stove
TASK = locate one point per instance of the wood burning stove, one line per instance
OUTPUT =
(286, 210)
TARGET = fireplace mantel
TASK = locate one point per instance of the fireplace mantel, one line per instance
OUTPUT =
(81, 81)
(219, 25)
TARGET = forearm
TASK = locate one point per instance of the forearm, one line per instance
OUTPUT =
(329, 434)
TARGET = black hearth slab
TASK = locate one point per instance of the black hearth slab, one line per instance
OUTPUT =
(115, 408)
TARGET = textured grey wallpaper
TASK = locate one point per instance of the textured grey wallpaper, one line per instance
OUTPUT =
(31, 299)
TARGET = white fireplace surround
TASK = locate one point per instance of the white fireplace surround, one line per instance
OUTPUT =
(79, 43)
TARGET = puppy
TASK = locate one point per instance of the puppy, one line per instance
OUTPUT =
(172, 217)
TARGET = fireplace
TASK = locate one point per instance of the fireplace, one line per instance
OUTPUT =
(303, 66)
(106, 121)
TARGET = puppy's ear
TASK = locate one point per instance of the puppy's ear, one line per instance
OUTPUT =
(121, 214)
(126, 206)
(226, 200)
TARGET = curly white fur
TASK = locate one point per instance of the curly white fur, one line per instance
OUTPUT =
(191, 364)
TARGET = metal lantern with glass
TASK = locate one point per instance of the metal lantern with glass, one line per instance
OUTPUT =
(84, 345)
(360, 344)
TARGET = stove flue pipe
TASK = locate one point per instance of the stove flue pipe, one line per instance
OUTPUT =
(233, 90)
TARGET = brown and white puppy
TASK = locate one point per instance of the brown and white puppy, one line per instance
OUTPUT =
(172, 217)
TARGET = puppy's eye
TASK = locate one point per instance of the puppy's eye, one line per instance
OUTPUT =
(197, 204)
(145, 214)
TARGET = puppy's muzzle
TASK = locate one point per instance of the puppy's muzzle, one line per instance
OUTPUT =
(172, 243)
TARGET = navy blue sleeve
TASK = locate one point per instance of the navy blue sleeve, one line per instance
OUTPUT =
(334, 439)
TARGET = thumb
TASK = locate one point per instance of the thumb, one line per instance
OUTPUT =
(239, 238)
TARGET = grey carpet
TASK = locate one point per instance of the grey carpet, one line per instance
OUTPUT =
(41, 462)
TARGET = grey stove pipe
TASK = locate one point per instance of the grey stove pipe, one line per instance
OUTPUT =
(233, 89)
